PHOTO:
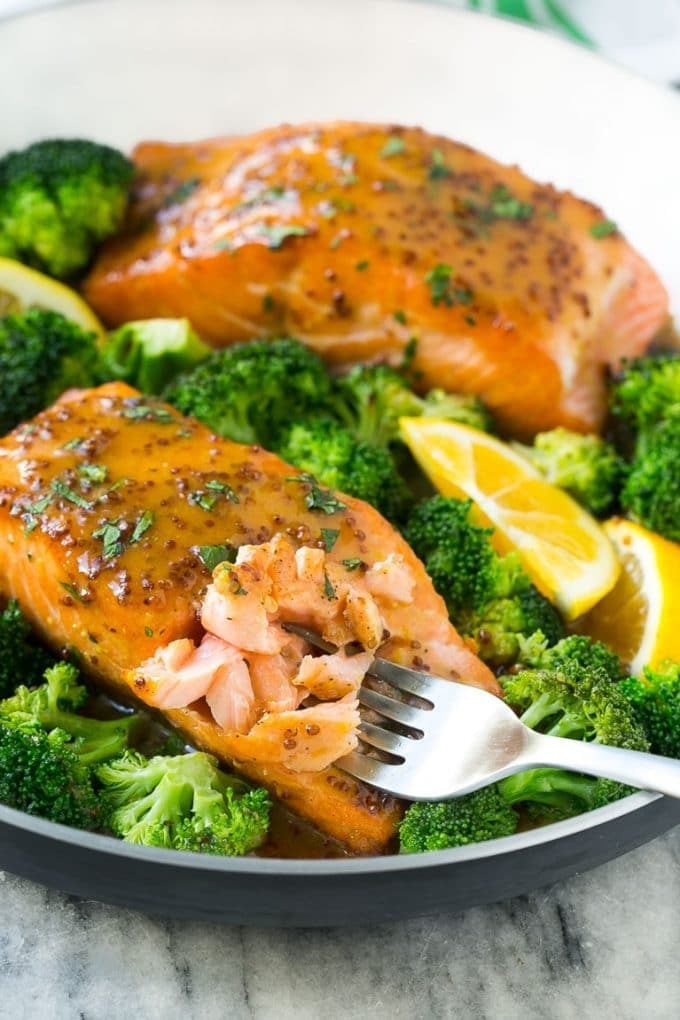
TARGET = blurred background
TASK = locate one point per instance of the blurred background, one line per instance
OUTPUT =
(641, 34)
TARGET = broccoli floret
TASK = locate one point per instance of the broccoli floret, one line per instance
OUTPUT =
(53, 706)
(372, 398)
(251, 392)
(475, 818)
(651, 494)
(489, 597)
(575, 656)
(331, 453)
(646, 391)
(41, 355)
(149, 354)
(60, 198)
(21, 658)
(184, 802)
(587, 467)
(41, 774)
(575, 698)
(655, 697)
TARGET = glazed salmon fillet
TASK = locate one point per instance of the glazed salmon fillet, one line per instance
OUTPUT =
(361, 239)
(111, 507)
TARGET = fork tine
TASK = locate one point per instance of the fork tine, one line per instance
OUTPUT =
(311, 637)
(383, 740)
(404, 679)
(360, 767)
(391, 709)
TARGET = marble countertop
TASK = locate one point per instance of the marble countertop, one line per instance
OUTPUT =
(604, 943)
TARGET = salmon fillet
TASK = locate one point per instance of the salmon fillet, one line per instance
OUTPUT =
(360, 238)
(105, 499)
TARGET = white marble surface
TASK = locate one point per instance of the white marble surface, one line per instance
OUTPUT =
(604, 944)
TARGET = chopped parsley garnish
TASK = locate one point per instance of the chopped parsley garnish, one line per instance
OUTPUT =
(352, 563)
(112, 539)
(203, 499)
(400, 316)
(72, 590)
(393, 147)
(329, 537)
(410, 351)
(95, 473)
(148, 631)
(438, 168)
(439, 281)
(276, 233)
(605, 228)
(264, 197)
(318, 498)
(215, 485)
(64, 491)
(146, 412)
(212, 555)
(328, 589)
(361, 266)
(182, 191)
(74, 444)
(504, 205)
(142, 525)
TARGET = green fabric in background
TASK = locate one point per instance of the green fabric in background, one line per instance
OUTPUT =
(546, 14)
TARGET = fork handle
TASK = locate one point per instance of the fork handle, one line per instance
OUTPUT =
(634, 768)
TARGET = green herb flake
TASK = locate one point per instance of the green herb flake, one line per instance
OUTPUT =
(400, 316)
(277, 233)
(605, 228)
(410, 351)
(203, 499)
(215, 485)
(64, 491)
(148, 631)
(74, 444)
(438, 168)
(329, 537)
(142, 525)
(268, 304)
(352, 564)
(504, 206)
(94, 473)
(212, 555)
(336, 242)
(146, 412)
(362, 266)
(470, 319)
(318, 498)
(72, 590)
(394, 146)
(182, 191)
(439, 281)
(111, 537)
(328, 589)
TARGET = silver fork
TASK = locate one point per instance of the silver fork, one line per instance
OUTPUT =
(460, 738)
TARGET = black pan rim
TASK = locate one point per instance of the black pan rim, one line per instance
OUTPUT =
(109, 846)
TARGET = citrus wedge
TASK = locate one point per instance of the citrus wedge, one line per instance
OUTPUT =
(639, 617)
(563, 549)
(22, 288)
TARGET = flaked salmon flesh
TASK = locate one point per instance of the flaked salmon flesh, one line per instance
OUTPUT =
(361, 238)
(114, 571)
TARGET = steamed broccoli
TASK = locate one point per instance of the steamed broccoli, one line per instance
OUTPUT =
(646, 391)
(22, 660)
(41, 774)
(184, 802)
(488, 596)
(372, 398)
(41, 355)
(328, 451)
(149, 354)
(575, 656)
(651, 494)
(655, 697)
(58, 199)
(587, 467)
(574, 696)
(252, 391)
(53, 706)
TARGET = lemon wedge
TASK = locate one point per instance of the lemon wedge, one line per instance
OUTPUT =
(639, 617)
(22, 288)
(563, 549)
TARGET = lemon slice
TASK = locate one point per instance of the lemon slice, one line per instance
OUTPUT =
(22, 288)
(639, 617)
(563, 549)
